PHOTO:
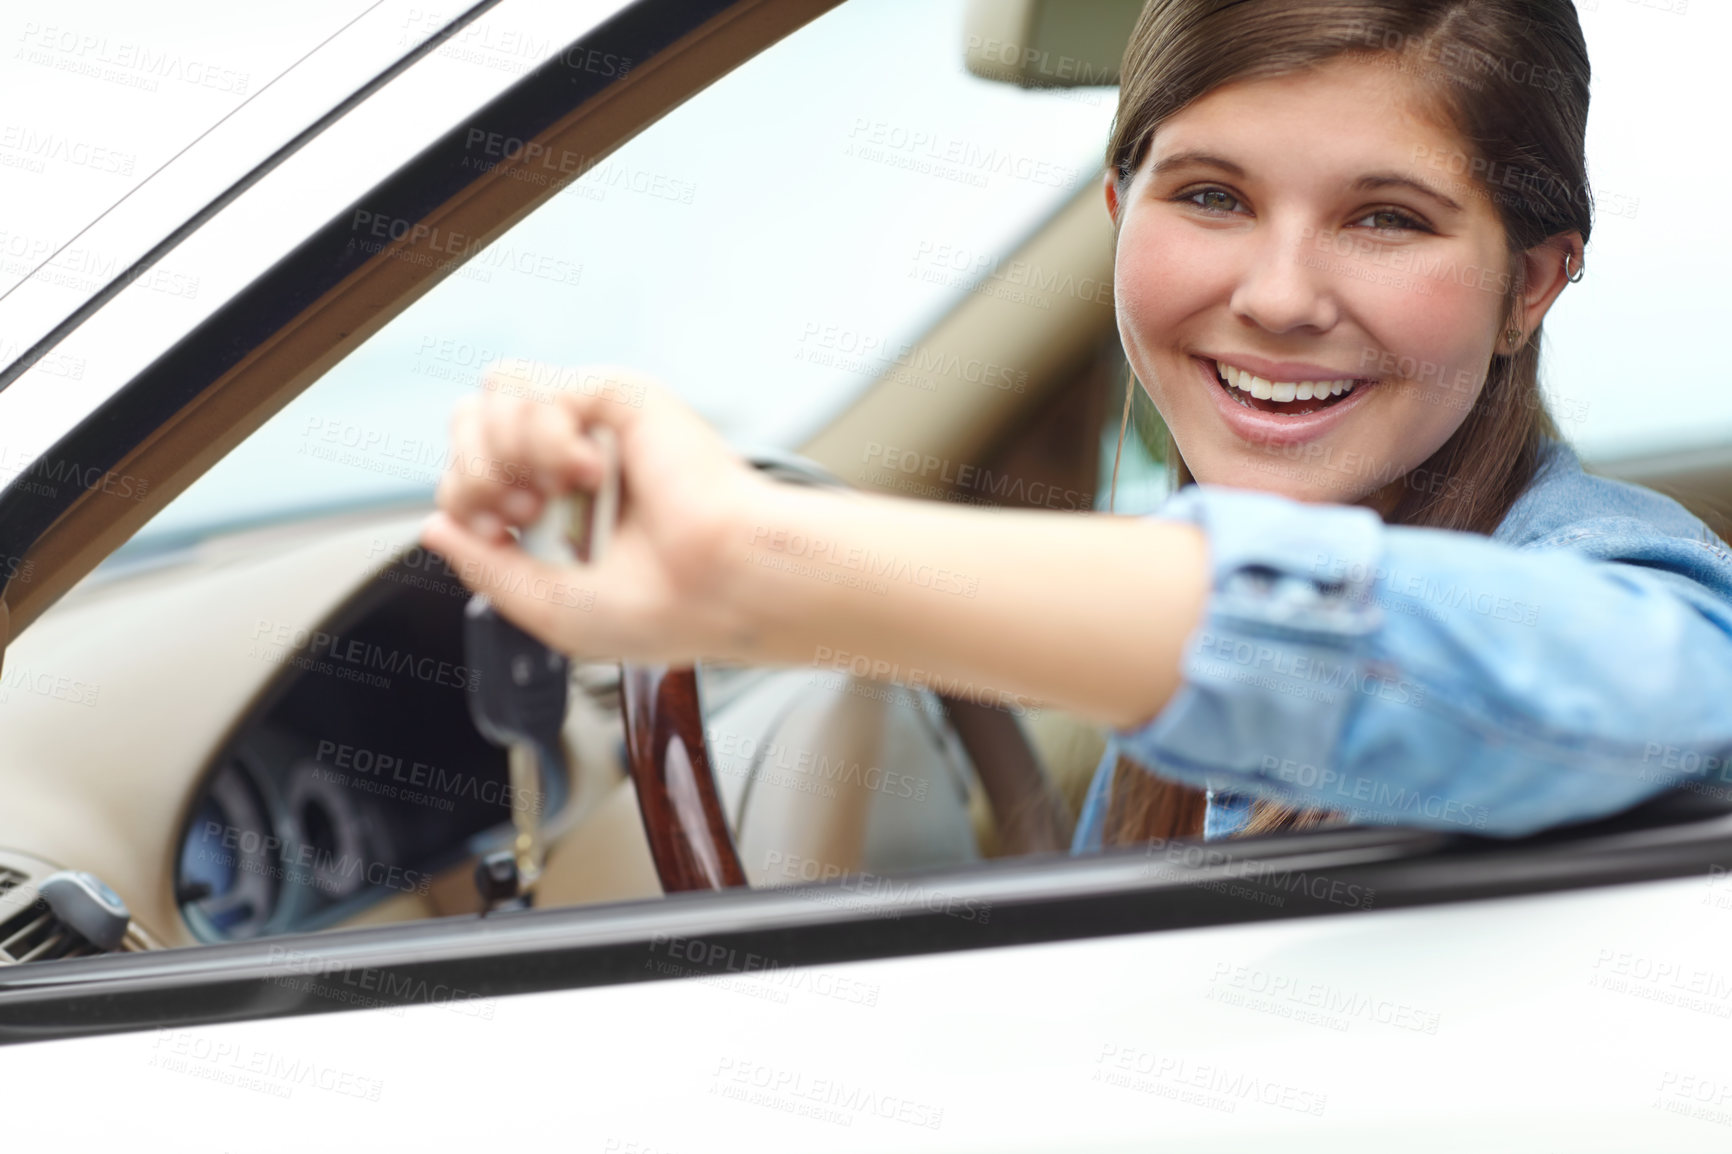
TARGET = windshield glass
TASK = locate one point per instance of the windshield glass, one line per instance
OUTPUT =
(716, 251)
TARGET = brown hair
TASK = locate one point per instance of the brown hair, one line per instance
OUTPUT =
(1512, 77)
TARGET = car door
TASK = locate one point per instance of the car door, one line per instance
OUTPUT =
(1346, 987)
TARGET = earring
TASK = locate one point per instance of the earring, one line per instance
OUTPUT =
(1576, 276)
(1514, 337)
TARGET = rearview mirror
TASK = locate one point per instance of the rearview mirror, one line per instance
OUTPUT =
(1049, 43)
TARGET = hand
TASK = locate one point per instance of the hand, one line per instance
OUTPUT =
(659, 594)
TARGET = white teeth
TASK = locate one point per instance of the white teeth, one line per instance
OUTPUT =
(1281, 391)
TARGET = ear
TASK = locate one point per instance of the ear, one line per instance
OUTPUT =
(1544, 267)
(1110, 181)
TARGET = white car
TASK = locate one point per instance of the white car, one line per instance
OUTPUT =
(242, 796)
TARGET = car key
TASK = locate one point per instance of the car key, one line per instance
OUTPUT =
(520, 698)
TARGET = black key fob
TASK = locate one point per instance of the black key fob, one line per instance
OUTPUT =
(520, 684)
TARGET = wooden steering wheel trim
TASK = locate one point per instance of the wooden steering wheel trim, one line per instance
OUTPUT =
(676, 788)
(681, 808)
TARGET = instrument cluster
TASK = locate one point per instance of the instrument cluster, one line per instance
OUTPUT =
(348, 786)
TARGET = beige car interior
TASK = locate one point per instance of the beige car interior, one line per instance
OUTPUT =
(174, 649)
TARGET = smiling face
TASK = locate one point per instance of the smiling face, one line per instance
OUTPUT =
(1291, 231)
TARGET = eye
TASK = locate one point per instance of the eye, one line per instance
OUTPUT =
(1209, 199)
(1393, 220)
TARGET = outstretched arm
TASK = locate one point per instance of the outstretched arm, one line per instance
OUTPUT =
(712, 560)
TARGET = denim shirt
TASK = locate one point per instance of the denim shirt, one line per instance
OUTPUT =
(1576, 662)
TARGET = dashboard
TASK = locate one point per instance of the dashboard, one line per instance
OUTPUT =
(285, 745)
(358, 775)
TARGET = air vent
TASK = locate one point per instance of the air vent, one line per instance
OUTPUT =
(29, 929)
(34, 934)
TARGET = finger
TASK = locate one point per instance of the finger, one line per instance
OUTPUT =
(512, 495)
(475, 482)
(502, 421)
(628, 401)
(552, 603)
(562, 457)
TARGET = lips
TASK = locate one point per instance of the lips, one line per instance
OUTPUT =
(1270, 422)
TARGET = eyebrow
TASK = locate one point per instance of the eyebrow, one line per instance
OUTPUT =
(1195, 157)
(1377, 180)
(1366, 183)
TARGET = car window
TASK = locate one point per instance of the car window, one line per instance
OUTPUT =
(767, 249)
(764, 250)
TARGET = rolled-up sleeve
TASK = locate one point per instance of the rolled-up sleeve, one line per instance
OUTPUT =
(1436, 679)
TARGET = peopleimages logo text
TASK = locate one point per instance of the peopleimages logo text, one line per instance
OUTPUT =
(367, 655)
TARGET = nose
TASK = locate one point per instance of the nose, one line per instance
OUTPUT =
(1287, 285)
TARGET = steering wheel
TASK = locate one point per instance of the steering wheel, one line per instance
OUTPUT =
(670, 767)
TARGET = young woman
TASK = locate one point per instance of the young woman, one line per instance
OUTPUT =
(1392, 594)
